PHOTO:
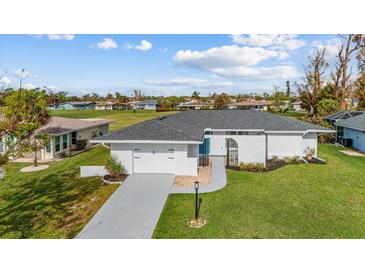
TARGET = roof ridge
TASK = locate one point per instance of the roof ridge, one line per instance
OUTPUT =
(178, 130)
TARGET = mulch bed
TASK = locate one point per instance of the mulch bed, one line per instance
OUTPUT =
(113, 180)
(270, 166)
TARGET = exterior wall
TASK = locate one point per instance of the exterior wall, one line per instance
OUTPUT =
(92, 132)
(290, 144)
(357, 136)
(309, 141)
(251, 148)
(185, 157)
(124, 153)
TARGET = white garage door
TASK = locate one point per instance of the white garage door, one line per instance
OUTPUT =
(153, 158)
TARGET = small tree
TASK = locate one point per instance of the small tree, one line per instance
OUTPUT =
(327, 106)
(25, 112)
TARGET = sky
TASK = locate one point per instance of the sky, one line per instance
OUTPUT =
(158, 64)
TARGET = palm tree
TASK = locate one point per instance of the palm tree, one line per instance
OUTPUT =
(195, 95)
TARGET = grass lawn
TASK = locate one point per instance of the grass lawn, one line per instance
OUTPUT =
(53, 203)
(297, 201)
(120, 118)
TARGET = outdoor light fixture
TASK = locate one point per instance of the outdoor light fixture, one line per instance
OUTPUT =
(196, 185)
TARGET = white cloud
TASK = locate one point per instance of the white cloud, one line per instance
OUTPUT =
(225, 56)
(22, 73)
(5, 81)
(143, 46)
(67, 37)
(29, 86)
(236, 62)
(332, 47)
(284, 41)
(107, 43)
(194, 82)
(258, 73)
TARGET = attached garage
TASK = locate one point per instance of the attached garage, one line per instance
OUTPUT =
(157, 158)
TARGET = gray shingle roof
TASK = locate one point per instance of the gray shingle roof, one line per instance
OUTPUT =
(59, 125)
(357, 122)
(190, 125)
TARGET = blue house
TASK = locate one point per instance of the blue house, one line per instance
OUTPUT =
(351, 132)
(150, 105)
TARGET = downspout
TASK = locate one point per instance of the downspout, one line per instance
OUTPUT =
(266, 149)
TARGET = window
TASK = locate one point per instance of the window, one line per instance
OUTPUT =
(73, 137)
(64, 141)
(57, 143)
(232, 152)
(1, 145)
(94, 134)
(48, 147)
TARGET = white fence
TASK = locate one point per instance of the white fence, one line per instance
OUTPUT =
(89, 171)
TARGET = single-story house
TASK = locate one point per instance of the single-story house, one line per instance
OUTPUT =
(175, 143)
(79, 105)
(297, 106)
(251, 104)
(194, 104)
(64, 134)
(352, 129)
(111, 105)
(150, 105)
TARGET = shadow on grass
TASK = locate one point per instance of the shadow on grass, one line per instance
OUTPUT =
(42, 207)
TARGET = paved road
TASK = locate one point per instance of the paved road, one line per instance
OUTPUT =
(133, 210)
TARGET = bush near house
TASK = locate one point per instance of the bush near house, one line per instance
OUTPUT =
(81, 144)
(254, 167)
(115, 168)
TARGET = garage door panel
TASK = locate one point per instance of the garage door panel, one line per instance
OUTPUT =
(156, 158)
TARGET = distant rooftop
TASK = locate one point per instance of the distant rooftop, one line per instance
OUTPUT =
(149, 102)
(252, 103)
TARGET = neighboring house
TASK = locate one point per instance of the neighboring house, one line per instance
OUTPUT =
(352, 129)
(251, 105)
(77, 105)
(194, 104)
(297, 106)
(175, 143)
(64, 133)
(151, 105)
(111, 105)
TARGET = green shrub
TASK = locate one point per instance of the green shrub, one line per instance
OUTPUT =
(275, 158)
(3, 159)
(255, 167)
(292, 160)
(114, 167)
(81, 144)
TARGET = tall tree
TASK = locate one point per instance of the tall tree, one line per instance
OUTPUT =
(137, 95)
(309, 90)
(195, 95)
(343, 84)
(24, 113)
(221, 101)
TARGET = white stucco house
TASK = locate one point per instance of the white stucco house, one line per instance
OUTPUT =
(174, 143)
(148, 105)
(64, 134)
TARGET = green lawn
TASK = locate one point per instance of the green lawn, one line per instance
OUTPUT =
(120, 118)
(53, 203)
(297, 201)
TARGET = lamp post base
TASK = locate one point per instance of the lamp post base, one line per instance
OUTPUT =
(197, 223)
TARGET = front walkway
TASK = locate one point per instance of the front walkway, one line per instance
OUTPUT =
(353, 153)
(133, 210)
(219, 179)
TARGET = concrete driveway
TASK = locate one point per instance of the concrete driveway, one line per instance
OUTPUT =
(133, 210)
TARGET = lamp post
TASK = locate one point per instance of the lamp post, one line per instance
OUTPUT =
(196, 186)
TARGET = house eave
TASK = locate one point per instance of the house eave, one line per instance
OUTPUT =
(143, 142)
